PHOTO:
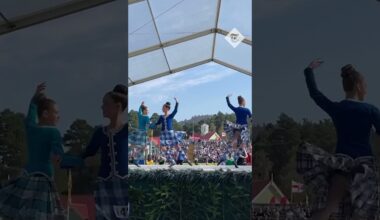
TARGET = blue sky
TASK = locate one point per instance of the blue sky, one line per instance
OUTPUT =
(82, 56)
(179, 18)
(200, 90)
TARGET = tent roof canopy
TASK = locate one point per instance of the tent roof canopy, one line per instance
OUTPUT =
(170, 36)
(164, 36)
(18, 14)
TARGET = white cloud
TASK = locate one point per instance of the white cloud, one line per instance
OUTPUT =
(164, 87)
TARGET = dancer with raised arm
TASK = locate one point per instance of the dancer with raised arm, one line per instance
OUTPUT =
(349, 176)
(139, 139)
(239, 131)
(33, 195)
(111, 194)
(168, 138)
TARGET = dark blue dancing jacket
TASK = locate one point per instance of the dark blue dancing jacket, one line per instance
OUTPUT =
(353, 120)
(166, 123)
(114, 151)
(242, 114)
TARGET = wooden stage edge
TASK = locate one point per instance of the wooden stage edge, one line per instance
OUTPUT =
(209, 168)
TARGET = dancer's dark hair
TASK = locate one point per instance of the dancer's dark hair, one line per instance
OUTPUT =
(350, 77)
(240, 99)
(119, 94)
(167, 105)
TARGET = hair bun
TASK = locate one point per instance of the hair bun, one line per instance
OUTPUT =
(167, 103)
(122, 89)
(348, 71)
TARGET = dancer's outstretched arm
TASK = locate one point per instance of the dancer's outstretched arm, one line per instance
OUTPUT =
(140, 110)
(56, 143)
(319, 98)
(31, 118)
(229, 103)
(65, 161)
(154, 125)
(175, 109)
(93, 147)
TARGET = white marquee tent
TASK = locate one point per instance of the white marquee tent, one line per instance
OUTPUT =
(169, 36)
(18, 14)
(165, 36)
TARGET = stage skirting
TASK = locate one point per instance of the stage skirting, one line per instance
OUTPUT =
(184, 192)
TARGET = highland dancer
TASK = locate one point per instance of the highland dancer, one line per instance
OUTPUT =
(111, 194)
(347, 179)
(168, 138)
(139, 139)
(34, 195)
(239, 131)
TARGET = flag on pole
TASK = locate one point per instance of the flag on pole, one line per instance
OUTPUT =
(297, 187)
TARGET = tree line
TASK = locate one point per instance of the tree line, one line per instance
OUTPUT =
(13, 151)
(274, 145)
(215, 122)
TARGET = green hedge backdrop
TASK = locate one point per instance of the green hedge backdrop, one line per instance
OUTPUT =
(189, 194)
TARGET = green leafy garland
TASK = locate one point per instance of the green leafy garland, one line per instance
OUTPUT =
(186, 194)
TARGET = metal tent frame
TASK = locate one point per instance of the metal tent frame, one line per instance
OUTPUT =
(12, 24)
(215, 31)
(37, 17)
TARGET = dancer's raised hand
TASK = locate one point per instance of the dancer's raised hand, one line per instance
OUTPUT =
(40, 88)
(142, 103)
(229, 95)
(315, 63)
(175, 99)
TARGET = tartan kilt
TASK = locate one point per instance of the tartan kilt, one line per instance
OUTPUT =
(317, 167)
(31, 196)
(230, 129)
(138, 138)
(169, 138)
(111, 197)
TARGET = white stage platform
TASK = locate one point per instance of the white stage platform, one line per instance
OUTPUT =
(194, 167)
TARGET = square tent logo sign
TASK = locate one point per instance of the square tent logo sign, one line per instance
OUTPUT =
(234, 37)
